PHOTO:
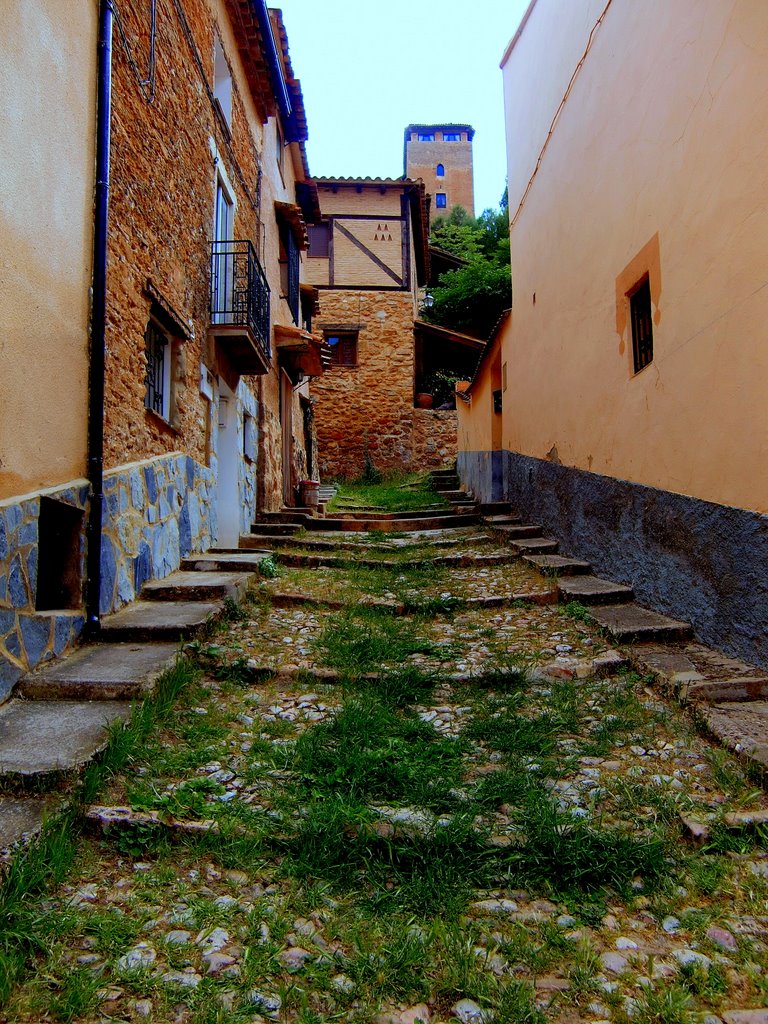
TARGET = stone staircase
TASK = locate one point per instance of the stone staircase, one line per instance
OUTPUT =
(59, 716)
(728, 697)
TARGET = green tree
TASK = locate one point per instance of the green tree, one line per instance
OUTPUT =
(472, 298)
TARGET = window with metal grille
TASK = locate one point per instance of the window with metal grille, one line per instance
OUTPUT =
(289, 270)
(641, 316)
(319, 236)
(157, 395)
(343, 348)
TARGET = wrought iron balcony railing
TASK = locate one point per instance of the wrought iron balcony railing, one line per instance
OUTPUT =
(239, 290)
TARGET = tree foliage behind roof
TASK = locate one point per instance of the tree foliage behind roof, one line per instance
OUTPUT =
(473, 298)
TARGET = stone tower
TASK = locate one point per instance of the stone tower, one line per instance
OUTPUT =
(441, 155)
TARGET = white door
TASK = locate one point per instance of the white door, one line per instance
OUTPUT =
(223, 259)
(228, 453)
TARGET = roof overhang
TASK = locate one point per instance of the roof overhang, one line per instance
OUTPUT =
(429, 330)
(300, 351)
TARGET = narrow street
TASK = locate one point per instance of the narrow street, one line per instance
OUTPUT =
(372, 794)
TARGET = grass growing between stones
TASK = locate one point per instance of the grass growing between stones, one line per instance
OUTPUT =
(397, 837)
(396, 493)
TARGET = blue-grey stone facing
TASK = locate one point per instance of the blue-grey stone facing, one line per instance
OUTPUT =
(689, 558)
(483, 474)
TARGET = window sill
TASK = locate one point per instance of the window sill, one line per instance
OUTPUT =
(160, 421)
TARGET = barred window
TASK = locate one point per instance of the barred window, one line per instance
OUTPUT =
(641, 316)
(157, 397)
(343, 348)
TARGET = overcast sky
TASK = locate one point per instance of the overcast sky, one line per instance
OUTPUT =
(368, 69)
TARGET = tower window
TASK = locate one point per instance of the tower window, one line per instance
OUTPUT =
(440, 171)
(426, 136)
(440, 200)
(451, 136)
(642, 325)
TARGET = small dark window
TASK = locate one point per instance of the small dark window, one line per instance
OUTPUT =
(426, 136)
(157, 395)
(60, 538)
(440, 200)
(451, 136)
(289, 270)
(343, 348)
(642, 325)
(497, 401)
(440, 171)
(319, 235)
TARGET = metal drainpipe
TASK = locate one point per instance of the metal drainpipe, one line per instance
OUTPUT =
(98, 319)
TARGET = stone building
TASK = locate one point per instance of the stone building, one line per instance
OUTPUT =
(623, 404)
(441, 156)
(205, 415)
(368, 258)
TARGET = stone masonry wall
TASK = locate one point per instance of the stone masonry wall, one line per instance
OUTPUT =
(434, 438)
(367, 408)
(155, 513)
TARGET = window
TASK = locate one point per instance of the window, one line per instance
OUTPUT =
(440, 200)
(280, 144)
(289, 270)
(642, 325)
(250, 435)
(222, 82)
(157, 397)
(451, 136)
(440, 171)
(319, 237)
(343, 348)
(497, 402)
(426, 136)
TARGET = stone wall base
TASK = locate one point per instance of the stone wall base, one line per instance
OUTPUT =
(483, 474)
(689, 558)
(27, 636)
(155, 513)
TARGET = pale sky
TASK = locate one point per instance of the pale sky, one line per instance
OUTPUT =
(368, 68)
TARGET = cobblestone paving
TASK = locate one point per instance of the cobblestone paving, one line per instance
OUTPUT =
(487, 829)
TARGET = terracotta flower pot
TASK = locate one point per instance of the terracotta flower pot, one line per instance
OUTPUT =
(424, 401)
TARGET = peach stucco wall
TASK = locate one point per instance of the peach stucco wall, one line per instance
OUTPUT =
(477, 423)
(659, 156)
(47, 124)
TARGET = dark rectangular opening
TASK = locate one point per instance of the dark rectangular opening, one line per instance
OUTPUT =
(641, 316)
(60, 530)
(319, 238)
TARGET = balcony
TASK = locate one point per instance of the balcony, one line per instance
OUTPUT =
(240, 306)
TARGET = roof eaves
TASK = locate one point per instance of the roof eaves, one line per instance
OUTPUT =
(513, 41)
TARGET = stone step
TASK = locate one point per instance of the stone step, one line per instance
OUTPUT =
(446, 484)
(741, 728)
(450, 520)
(534, 545)
(304, 561)
(628, 622)
(225, 561)
(40, 737)
(496, 508)
(296, 514)
(100, 672)
(513, 531)
(732, 691)
(557, 565)
(159, 620)
(502, 519)
(455, 494)
(276, 529)
(593, 590)
(198, 586)
(22, 818)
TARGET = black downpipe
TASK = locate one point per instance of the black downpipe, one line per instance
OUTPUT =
(98, 319)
